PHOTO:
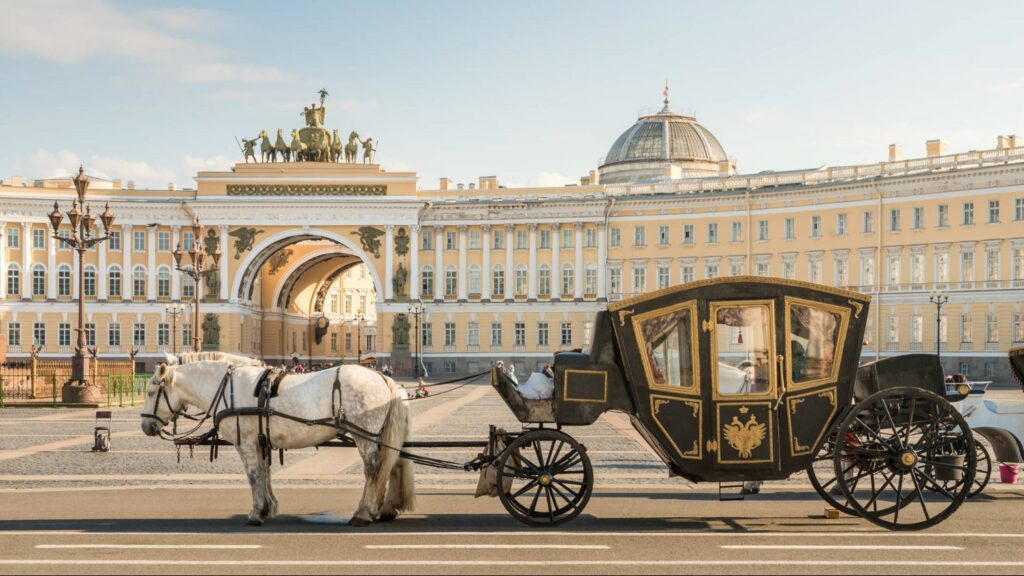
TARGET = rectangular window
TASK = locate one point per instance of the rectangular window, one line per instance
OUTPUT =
(39, 334)
(918, 218)
(521, 242)
(789, 269)
(1018, 328)
(590, 236)
(568, 239)
(916, 329)
(615, 280)
(187, 240)
(38, 238)
(139, 241)
(163, 241)
(473, 334)
(90, 334)
(814, 271)
(186, 335)
(545, 239)
(790, 229)
(451, 283)
(992, 328)
(993, 211)
(663, 276)
(426, 240)
(64, 334)
(13, 237)
(735, 269)
(869, 222)
(711, 270)
(139, 334)
(474, 239)
(449, 333)
(967, 269)
(842, 272)
(498, 239)
(542, 334)
(614, 237)
(449, 367)
(943, 332)
(894, 330)
(334, 341)
(968, 215)
(1018, 209)
(13, 334)
(943, 219)
(894, 220)
(520, 334)
(163, 334)
(64, 235)
(639, 280)
(13, 281)
(688, 234)
(639, 236)
(966, 329)
(566, 333)
(113, 334)
(663, 236)
(713, 233)
(686, 273)
(917, 271)
(348, 342)
(737, 232)
(762, 230)
(451, 241)
(114, 241)
(590, 281)
(815, 226)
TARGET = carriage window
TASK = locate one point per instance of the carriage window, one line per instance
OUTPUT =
(813, 342)
(667, 342)
(744, 349)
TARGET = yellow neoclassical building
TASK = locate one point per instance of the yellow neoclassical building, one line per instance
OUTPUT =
(323, 260)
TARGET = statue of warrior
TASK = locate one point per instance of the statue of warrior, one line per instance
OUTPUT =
(368, 151)
(249, 149)
(314, 116)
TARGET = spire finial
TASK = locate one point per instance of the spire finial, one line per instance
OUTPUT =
(665, 92)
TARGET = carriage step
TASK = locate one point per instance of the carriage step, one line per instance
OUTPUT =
(724, 495)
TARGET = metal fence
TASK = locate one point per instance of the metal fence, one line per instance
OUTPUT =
(119, 385)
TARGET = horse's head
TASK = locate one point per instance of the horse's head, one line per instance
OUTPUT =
(163, 401)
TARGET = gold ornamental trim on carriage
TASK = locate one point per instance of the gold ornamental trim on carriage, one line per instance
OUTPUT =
(733, 279)
(694, 453)
(642, 344)
(581, 384)
(795, 447)
(745, 436)
(844, 325)
(307, 190)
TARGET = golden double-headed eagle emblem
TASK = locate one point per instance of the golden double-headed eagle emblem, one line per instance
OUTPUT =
(745, 437)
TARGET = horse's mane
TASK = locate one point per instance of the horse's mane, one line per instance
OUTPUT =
(232, 359)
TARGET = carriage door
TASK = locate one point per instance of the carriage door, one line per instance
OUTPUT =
(742, 384)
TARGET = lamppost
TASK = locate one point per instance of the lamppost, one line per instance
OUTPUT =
(81, 239)
(174, 310)
(200, 265)
(415, 309)
(938, 298)
(359, 338)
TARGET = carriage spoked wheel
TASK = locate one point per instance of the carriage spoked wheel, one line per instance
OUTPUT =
(982, 474)
(909, 445)
(548, 475)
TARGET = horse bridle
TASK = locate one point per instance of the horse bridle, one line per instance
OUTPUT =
(200, 419)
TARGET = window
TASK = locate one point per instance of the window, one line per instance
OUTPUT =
(426, 240)
(966, 329)
(163, 334)
(590, 238)
(917, 271)
(13, 237)
(894, 219)
(965, 368)
(942, 267)
(163, 283)
(992, 328)
(139, 241)
(893, 268)
(334, 303)
(1018, 211)
(13, 334)
(790, 229)
(186, 335)
(663, 236)
(713, 233)
(788, 269)
(521, 240)
(763, 268)
(568, 280)
(544, 280)
(474, 239)
(688, 234)
(139, 334)
(968, 215)
(568, 238)
(474, 279)
(495, 333)
(869, 222)
(918, 218)
(64, 235)
(39, 280)
(521, 280)
(639, 236)
(498, 281)
(737, 232)
(639, 279)
(520, 334)
(735, 268)
(13, 280)
(967, 269)
(334, 341)
(815, 226)
(1018, 267)
(114, 282)
(916, 329)
(188, 287)
(590, 280)
(615, 280)
(474, 334)
(762, 230)
(545, 239)
(841, 225)
(566, 333)
(114, 241)
(814, 271)
(449, 333)
(39, 334)
(663, 276)
(893, 330)
(139, 283)
(614, 237)
(449, 367)
(542, 334)
(943, 323)
(993, 211)
(426, 282)
(64, 334)
(943, 219)
(1018, 327)
(451, 240)
(113, 334)
(38, 238)
(89, 280)
(842, 272)
(64, 281)
(163, 241)
(498, 239)
(992, 268)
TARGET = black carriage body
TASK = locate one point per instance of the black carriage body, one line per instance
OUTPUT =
(739, 378)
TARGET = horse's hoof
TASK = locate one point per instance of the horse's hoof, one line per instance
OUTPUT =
(358, 522)
(254, 522)
(388, 517)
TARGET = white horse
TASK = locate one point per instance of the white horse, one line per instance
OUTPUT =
(369, 400)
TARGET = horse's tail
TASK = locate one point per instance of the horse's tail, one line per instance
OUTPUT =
(395, 433)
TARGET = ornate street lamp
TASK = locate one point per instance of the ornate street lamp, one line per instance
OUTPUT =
(81, 239)
(199, 266)
(415, 309)
(938, 298)
(174, 310)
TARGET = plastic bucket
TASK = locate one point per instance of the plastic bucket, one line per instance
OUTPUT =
(1009, 473)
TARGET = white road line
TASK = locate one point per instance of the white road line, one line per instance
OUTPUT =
(390, 563)
(526, 534)
(149, 546)
(487, 547)
(831, 547)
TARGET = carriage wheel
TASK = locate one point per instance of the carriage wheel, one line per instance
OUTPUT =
(822, 474)
(548, 477)
(909, 443)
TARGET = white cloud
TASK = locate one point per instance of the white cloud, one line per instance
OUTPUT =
(196, 164)
(45, 164)
(74, 31)
(552, 179)
(1007, 87)
(64, 163)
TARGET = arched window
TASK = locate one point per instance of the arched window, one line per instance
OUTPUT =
(498, 281)
(13, 280)
(39, 280)
(427, 281)
(139, 283)
(163, 282)
(114, 282)
(568, 279)
(64, 281)
(451, 281)
(474, 279)
(521, 280)
(544, 280)
(188, 286)
(590, 280)
(89, 286)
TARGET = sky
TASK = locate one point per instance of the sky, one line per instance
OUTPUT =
(534, 92)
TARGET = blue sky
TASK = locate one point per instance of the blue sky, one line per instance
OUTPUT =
(533, 92)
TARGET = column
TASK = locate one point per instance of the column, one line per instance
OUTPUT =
(26, 260)
(126, 264)
(510, 231)
(556, 266)
(438, 263)
(389, 249)
(151, 263)
(223, 270)
(101, 273)
(485, 274)
(51, 266)
(531, 291)
(175, 275)
(414, 262)
(602, 263)
(577, 292)
(463, 267)
(3, 261)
